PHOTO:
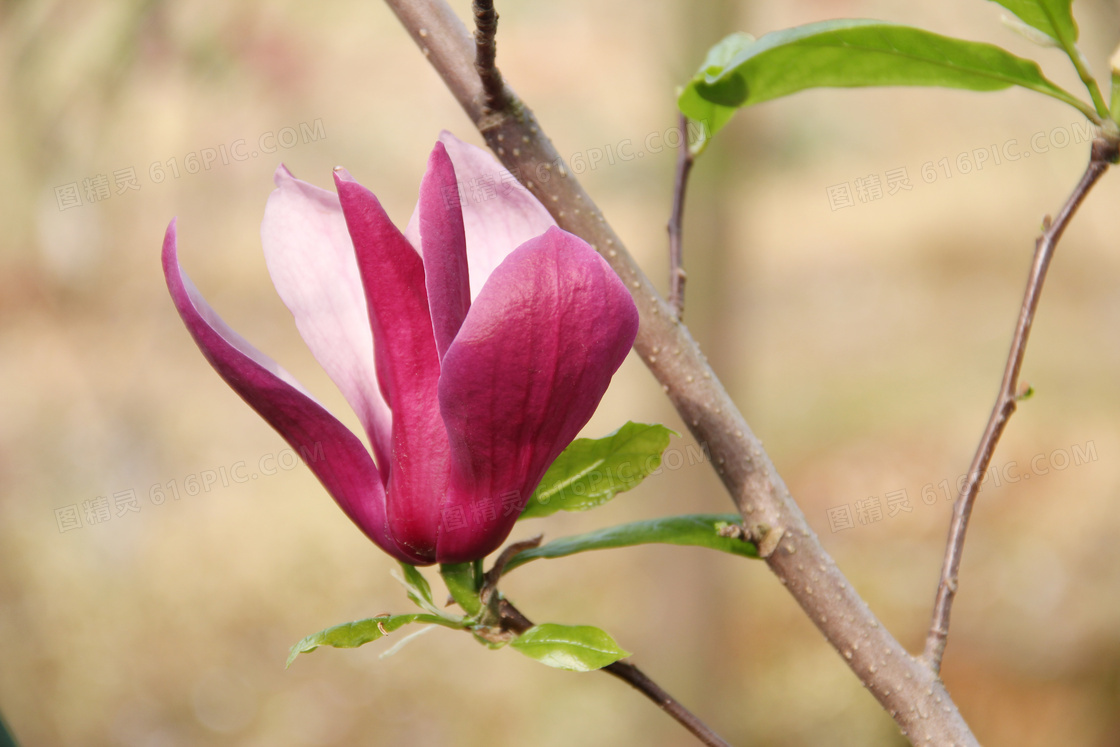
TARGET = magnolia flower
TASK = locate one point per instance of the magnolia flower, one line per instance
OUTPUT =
(473, 347)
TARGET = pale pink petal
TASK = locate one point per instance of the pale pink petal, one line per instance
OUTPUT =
(525, 373)
(334, 454)
(498, 213)
(407, 366)
(311, 260)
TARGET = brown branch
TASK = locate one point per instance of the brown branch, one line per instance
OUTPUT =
(492, 576)
(1104, 151)
(677, 275)
(637, 679)
(514, 621)
(502, 619)
(907, 689)
(486, 50)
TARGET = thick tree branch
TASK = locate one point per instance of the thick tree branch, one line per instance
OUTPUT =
(906, 688)
(677, 275)
(1104, 151)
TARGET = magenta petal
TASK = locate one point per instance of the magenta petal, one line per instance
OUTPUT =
(334, 454)
(407, 366)
(444, 249)
(499, 214)
(530, 363)
(311, 261)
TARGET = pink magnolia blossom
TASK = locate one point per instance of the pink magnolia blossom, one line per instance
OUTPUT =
(472, 347)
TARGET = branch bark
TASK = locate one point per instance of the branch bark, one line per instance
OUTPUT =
(486, 53)
(1104, 152)
(910, 691)
(677, 275)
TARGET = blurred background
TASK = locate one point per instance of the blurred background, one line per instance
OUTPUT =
(854, 276)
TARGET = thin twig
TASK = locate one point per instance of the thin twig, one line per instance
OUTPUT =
(513, 620)
(492, 576)
(677, 275)
(486, 50)
(502, 620)
(1104, 151)
(639, 681)
(906, 688)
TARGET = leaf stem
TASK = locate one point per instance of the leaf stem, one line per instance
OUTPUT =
(1082, 66)
(1076, 103)
(1104, 152)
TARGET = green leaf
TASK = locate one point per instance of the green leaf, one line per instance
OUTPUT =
(857, 53)
(418, 588)
(1052, 17)
(1114, 102)
(591, 471)
(716, 116)
(700, 530)
(361, 632)
(463, 583)
(578, 648)
(6, 738)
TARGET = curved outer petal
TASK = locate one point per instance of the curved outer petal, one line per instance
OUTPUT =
(334, 454)
(311, 261)
(444, 249)
(499, 214)
(407, 367)
(531, 362)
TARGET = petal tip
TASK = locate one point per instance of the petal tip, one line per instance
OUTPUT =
(170, 239)
(342, 175)
(281, 175)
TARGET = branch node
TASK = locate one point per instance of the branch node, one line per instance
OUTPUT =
(1106, 149)
(767, 539)
(486, 51)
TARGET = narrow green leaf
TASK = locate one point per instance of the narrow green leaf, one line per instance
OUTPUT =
(1052, 17)
(578, 648)
(1114, 103)
(857, 53)
(1028, 32)
(463, 586)
(418, 588)
(715, 116)
(6, 738)
(1114, 96)
(725, 51)
(591, 471)
(361, 632)
(700, 530)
